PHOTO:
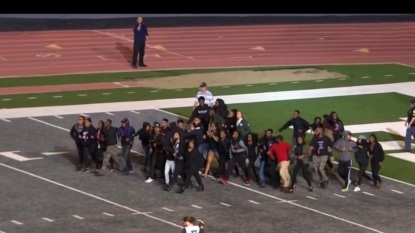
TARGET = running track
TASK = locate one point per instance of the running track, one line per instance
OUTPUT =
(88, 51)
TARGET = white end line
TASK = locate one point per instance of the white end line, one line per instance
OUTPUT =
(16, 222)
(396, 191)
(197, 207)
(111, 215)
(254, 202)
(47, 219)
(78, 217)
(164, 208)
(225, 204)
(90, 195)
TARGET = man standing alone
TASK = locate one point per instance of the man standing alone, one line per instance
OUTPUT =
(140, 37)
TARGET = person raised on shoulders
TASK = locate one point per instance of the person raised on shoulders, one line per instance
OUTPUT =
(203, 91)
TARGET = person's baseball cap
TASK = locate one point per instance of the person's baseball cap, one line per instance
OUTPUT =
(124, 120)
(413, 101)
(203, 84)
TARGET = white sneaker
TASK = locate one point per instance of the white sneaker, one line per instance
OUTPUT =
(357, 189)
(149, 180)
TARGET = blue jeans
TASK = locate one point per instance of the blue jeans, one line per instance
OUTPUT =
(203, 150)
(125, 150)
(262, 173)
(410, 132)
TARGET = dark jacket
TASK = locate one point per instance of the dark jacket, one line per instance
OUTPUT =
(100, 139)
(156, 145)
(144, 135)
(263, 147)
(243, 127)
(88, 136)
(202, 112)
(194, 160)
(110, 135)
(230, 124)
(361, 155)
(127, 132)
(176, 151)
(377, 153)
(221, 108)
(297, 124)
(338, 129)
(238, 147)
(75, 132)
(199, 135)
(223, 147)
(140, 36)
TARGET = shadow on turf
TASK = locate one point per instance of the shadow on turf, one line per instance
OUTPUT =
(125, 51)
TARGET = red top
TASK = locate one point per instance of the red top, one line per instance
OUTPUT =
(281, 149)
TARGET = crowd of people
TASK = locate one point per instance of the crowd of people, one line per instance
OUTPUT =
(216, 133)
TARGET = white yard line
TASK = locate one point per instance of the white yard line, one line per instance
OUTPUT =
(225, 204)
(48, 219)
(170, 210)
(111, 215)
(257, 203)
(312, 198)
(16, 222)
(197, 207)
(396, 191)
(339, 195)
(78, 217)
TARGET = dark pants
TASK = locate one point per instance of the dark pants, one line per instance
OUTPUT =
(99, 158)
(375, 173)
(178, 171)
(344, 169)
(153, 164)
(86, 152)
(192, 172)
(274, 175)
(252, 168)
(221, 166)
(236, 160)
(146, 149)
(125, 150)
(304, 168)
(80, 153)
(139, 50)
(362, 173)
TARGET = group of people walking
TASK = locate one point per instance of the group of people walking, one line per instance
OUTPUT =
(215, 133)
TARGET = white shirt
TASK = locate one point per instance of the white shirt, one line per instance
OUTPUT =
(209, 100)
(191, 229)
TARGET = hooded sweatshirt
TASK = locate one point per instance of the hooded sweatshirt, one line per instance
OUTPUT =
(238, 147)
(350, 147)
(198, 134)
(298, 124)
(144, 135)
(221, 108)
(127, 132)
(88, 136)
(75, 132)
(361, 154)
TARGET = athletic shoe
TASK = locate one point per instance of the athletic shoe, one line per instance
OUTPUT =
(345, 190)
(223, 181)
(357, 189)
(149, 180)
(131, 172)
(248, 182)
(310, 189)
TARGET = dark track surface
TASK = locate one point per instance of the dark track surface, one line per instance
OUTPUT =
(32, 194)
(72, 24)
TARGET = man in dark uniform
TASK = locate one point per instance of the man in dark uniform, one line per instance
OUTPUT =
(140, 37)
(410, 127)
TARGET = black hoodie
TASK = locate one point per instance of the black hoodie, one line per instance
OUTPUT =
(361, 154)
(76, 130)
(87, 134)
(221, 108)
(144, 135)
(199, 134)
(193, 159)
(230, 123)
(176, 151)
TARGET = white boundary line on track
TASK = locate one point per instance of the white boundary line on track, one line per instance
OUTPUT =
(231, 183)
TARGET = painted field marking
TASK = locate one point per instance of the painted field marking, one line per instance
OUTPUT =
(339, 195)
(78, 217)
(154, 91)
(225, 87)
(135, 112)
(142, 213)
(312, 198)
(83, 114)
(317, 81)
(48, 219)
(32, 98)
(257, 203)
(170, 210)
(120, 84)
(3, 59)
(46, 123)
(287, 201)
(130, 92)
(178, 90)
(388, 75)
(6, 99)
(57, 96)
(370, 194)
(396, 191)
(102, 58)
(82, 95)
(54, 55)
(272, 84)
(197, 207)
(2, 232)
(109, 113)
(249, 85)
(365, 77)
(342, 78)
(295, 82)
(411, 73)
(5, 120)
(225, 204)
(106, 93)
(16, 222)
(58, 117)
(104, 213)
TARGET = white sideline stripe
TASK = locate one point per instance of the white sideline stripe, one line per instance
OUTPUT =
(90, 195)
(225, 204)
(78, 217)
(396, 191)
(197, 207)
(111, 215)
(385, 177)
(170, 210)
(402, 88)
(173, 224)
(254, 202)
(16, 222)
(48, 219)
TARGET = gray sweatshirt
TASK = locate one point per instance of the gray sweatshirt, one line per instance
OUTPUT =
(349, 146)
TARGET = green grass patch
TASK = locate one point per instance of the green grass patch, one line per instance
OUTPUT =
(376, 75)
(361, 109)
(353, 71)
